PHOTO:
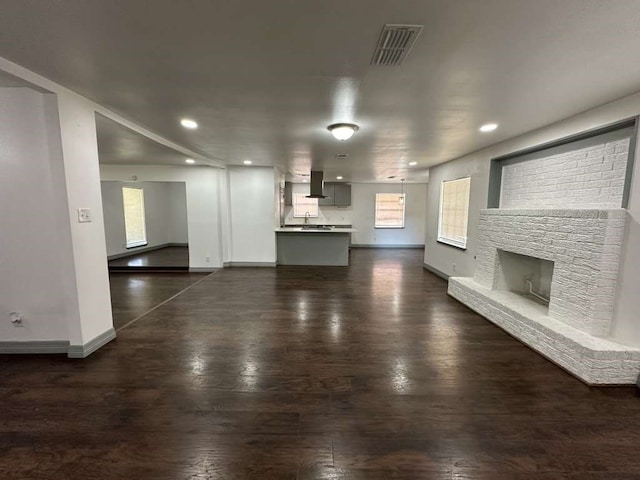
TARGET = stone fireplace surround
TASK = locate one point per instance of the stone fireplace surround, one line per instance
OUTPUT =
(584, 246)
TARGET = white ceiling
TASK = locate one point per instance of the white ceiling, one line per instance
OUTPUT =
(120, 145)
(265, 78)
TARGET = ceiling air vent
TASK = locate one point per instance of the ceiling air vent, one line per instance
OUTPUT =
(342, 156)
(394, 44)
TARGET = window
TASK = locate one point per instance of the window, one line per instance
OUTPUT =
(390, 210)
(303, 205)
(134, 224)
(454, 212)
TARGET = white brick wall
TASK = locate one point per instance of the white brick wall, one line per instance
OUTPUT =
(585, 246)
(592, 177)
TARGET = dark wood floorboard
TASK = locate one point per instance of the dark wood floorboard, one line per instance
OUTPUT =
(134, 293)
(368, 372)
(167, 257)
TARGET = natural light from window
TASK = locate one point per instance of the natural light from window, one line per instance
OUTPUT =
(390, 210)
(454, 212)
(134, 222)
(303, 206)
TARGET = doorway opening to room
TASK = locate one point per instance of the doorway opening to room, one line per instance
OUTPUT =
(146, 226)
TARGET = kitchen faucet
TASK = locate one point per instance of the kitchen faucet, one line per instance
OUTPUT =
(306, 217)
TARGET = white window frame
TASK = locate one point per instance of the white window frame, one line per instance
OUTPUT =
(137, 243)
(442, 238)
(402, 201)
(312, 210)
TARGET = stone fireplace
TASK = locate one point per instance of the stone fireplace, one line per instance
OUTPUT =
(569, 257)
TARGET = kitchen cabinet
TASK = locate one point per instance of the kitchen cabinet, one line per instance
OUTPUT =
(342, 195)
(328, 191)
(338, 195)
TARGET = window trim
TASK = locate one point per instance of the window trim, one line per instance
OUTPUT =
(404, 211)
(140, 243)
(444, 240)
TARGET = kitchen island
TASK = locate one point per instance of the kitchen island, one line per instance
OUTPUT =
(312, 245)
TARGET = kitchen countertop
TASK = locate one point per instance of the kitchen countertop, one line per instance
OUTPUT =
(314, 230)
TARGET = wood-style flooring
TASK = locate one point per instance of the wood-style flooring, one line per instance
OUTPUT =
(133, 294)
(163, 259)
(367, 372)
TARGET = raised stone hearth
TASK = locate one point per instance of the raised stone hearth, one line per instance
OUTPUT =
(573, 257)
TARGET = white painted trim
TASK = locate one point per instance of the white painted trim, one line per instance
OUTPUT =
(435, 271)
(137, 251)
(34, 347)
(83, 351)
(387, 245)
(251, 264)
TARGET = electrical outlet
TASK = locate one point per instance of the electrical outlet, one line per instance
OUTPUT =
(84, 215)
(207, 258)
(454, 267)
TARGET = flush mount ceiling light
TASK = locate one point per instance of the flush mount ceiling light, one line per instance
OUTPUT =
(413, 164)
(188, 123)
(247, 162)
(190, 160)
(339, 177)
(488, 127)
(343, 131)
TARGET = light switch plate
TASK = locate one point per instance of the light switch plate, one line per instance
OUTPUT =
(84, 215)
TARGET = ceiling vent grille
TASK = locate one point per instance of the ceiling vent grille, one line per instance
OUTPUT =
(395, 43)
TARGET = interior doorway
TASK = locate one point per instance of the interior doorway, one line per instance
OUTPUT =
(146, 226)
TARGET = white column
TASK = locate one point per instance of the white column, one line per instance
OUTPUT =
(82, 180)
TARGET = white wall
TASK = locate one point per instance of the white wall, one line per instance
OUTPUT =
(326, 215)
(626, 325)
(252, 203)
(36, 259)
(202, 185)
(165, 205)
(80, 156)
(361, 214)
(363, 196)
(177, 223)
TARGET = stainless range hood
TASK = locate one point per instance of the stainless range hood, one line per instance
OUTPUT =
(316, 185)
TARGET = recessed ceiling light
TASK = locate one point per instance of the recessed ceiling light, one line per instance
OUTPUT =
(247, 162)
(343, 131)
(339, 177)
(188, 123)
(190, 160)
(305, 180)
(413, 164)
(488, 127)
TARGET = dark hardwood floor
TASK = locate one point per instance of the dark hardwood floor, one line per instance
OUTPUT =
(368, 372)
(167, 259)
(133, 293)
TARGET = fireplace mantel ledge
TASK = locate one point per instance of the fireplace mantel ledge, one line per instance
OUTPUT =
(555, 212)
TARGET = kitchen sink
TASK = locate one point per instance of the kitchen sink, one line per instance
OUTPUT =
(316, 227)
